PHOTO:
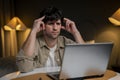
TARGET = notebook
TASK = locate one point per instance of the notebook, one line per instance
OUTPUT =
(81, 61)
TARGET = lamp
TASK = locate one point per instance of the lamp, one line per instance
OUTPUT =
(115, 18)
(15, 23)
(12, 47)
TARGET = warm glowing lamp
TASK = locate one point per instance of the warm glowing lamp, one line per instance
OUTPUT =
(115, 18)
(15, 23)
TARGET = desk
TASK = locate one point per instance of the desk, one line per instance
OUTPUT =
(109, 74)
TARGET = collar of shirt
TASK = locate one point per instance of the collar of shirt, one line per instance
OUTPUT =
(60, 43)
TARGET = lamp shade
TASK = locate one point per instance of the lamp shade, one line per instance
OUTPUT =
(115, 18)
(15, 23)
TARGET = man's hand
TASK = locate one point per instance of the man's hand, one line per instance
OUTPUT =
(70, 26)
(39, 24)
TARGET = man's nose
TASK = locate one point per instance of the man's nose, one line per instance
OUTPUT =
(54, 26)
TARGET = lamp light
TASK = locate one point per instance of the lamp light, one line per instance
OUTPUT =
(15, 23)
(115, 18)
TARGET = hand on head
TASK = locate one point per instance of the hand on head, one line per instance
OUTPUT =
(39, 24)
(69, 26)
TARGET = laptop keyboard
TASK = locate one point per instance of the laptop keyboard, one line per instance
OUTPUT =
(56, 75)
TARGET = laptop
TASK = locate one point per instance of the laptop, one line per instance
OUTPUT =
(81, 61)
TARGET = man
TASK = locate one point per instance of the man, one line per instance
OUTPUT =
(46, 50)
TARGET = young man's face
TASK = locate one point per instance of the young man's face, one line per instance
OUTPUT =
(52, 29)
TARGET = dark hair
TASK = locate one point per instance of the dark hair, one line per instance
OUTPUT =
(51, 13)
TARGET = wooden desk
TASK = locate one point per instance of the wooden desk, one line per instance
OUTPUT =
(109, 74)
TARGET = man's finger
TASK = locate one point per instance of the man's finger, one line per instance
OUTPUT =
(65, 19)
(41, 18)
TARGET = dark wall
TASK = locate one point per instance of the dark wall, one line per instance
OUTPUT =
(89, 15)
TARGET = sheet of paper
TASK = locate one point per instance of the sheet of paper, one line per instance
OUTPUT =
(117, 77)
(41, 70)
(10, 76)
(37, 70)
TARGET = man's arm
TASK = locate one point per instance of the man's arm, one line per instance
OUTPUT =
(25, 57)
(71, 27)
(78, 37)
(29, 44)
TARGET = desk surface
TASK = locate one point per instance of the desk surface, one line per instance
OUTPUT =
(109, 74)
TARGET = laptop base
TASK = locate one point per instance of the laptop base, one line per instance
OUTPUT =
(56, 77)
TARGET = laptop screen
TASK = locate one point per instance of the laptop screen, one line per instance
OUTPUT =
(84, 60)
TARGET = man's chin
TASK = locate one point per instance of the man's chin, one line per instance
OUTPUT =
(54, 37)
